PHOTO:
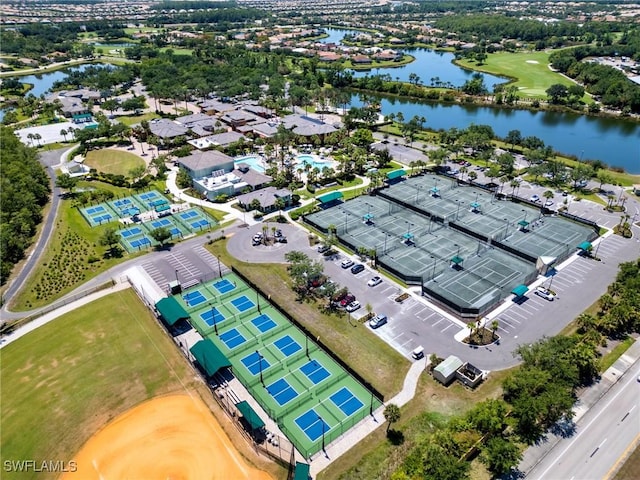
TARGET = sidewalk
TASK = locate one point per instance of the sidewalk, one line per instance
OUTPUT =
(46, 318)
(587, 399)
(369, 424)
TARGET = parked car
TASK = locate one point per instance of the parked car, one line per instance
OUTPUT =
(357, 268)
(374, 281)
(323, 248)
(281, 239)
(378, 321)
(545, 293)
(347, 299)
(548, 203)
(353, 306)
(255, 242)
(346, 263)
(535, 198)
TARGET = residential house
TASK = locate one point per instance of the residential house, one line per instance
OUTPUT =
(267, 198)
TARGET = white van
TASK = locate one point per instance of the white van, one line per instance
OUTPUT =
(418, 353)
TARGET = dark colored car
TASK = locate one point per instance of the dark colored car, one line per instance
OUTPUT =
(357, 268)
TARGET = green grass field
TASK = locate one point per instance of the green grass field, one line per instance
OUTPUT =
(67, 379)
(529, 68)
(112, 161)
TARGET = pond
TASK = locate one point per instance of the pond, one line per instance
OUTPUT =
(433, 68)
(43, 82)
(614, 141)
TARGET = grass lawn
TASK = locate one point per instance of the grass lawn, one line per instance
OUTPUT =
(432, 404)
(371, 357)
(130, 120)
(529, 68)
(66, 380)
(113, 161)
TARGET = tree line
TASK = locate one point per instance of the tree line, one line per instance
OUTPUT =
(25, 191)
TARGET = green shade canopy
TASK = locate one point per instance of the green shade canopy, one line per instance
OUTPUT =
(368, 217)
(301, 471)
(132, 211)
(82, 116)
(163, 208)
(457, 260)
(396, 174)
(250, 415)
(475, 205)
(209, 357)
(520, 290)
(330, 197)
(586, 246)
(171, 311)
(435, 190)
(523, 223)
(157, 203)
(408, 236)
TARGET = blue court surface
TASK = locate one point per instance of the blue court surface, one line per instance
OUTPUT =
(212, 317)
(101, 218)
(346, 401)
(282, 392)
(314, 371)
(312, 425)
(194, 298)
(253, 362)
(148, 195)
(199, 223)
(264, 323)
(142, 242)
(188, 215)
(232, 338)
(163, 222)
(287, 345)
(131, 232)
(242, 303)
(224, 286)
(94, 210)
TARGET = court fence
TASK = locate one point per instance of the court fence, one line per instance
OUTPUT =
(278, 448)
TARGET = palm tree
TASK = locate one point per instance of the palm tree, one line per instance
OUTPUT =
(494, 328)
(38, 137)
(391, 414)
(30, 136)
(548, 195)
(471, 326)
(63, 132)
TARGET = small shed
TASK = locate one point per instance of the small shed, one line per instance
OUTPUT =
(445, 372)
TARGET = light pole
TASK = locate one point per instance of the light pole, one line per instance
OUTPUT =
(506, 226)
(346, 216)
(306, 345)
(458, 208)
(219, 267)
(260, 357)
(458, 252)
(433, 274)
(213, 317)
(322, 424)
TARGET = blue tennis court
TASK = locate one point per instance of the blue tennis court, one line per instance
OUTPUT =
(123, 203)
(224, 286)
(163, 222)
(189, 214)
(253, 362)
(140, 242)
(232, 338)
(148, 195)
(242, 303)
(287, 345)
(346, 401)
(131, 232)
(282, 392)
(312, 425)
(199, 223)
(101, 218)
(94, 210)
(315, 372)
(264, 323)
(212, 317)
(194, 298)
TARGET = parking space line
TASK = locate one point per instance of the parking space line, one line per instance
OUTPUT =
(447, 327)
(438, 322)
(524, 317)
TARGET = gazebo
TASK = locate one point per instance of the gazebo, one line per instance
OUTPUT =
(520, 290)
(475, 207)
(523, 224)
(456, 261)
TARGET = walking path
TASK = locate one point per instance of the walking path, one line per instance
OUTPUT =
(369, 424)
(43, 320)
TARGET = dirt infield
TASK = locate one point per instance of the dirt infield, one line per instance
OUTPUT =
(173, 437)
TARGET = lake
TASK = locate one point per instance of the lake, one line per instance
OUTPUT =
(611, 140)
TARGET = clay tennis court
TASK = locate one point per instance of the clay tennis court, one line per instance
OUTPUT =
(173, 437)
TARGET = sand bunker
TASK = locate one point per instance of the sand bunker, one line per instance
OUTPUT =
(174, 437)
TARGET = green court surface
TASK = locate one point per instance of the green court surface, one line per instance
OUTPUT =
(312, 398)
(417, 228)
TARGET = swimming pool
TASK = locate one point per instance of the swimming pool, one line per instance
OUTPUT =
(252, 160)
(311, 160)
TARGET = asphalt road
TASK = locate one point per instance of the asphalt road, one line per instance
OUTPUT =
(49, 159)
(602, 437)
